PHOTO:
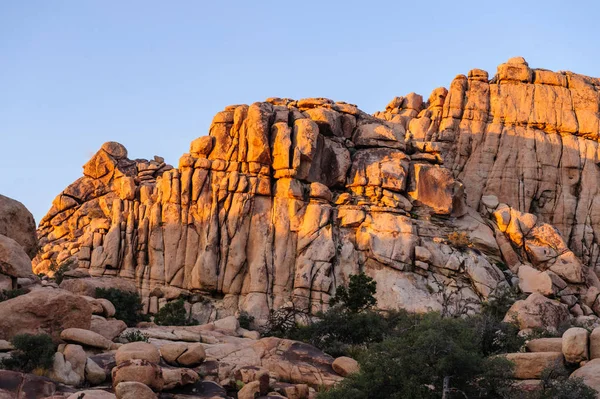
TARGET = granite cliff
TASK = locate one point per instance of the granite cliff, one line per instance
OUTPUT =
(444, 202)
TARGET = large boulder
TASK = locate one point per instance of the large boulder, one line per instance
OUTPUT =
(141, 371)
(137, 351)
(87, 338)
(14, 262)
(530, 365)
(43, 311)
(575, 345)
(25, 386)
(590, 373)
(537, 311)
(17, 222)
(87, 286)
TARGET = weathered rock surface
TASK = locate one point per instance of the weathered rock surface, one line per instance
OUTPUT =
(530, 365)
(284, 199)
(43, 310)
(17, 223)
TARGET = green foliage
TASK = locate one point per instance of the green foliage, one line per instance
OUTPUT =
(135, 336)
(5, 295)
(60, 270)
(414, 362)
(283, 322)
(359, 295)
(565, 388)
(31, 352)
(338, 332)
(173, 314)
(245, 320)
(128, 305)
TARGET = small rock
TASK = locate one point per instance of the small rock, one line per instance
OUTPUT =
(345, 366)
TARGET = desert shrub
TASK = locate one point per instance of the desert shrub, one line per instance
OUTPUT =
(459, 240)
(5, 295)
(339, 333)
(173, 314)
(283, 322)
(135, 336)
(415, 362)
(60, 270)
(245, 320)
(565, 388)
(497, 336)
(359, 296)
(128, 305)
(32, 352)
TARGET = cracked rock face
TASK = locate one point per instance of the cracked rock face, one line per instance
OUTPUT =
(284, 199)
(527, 136)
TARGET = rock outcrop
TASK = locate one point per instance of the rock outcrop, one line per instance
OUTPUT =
(284, 199)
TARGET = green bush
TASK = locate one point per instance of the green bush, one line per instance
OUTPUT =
(128, 305)
(358, 296)
(173, 314)
(32, 352)
(135, 336)
(414, 363)
(5, 295)
(565, 388)
(245, 320)
(60, 270)
(338, 332)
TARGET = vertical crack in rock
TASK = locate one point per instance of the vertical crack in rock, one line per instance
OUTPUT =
(285, 199)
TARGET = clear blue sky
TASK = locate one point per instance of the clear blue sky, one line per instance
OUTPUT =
(151, 74)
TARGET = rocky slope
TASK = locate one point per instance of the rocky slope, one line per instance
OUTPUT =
(284, 199)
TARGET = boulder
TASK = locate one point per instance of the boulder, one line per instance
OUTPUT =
(138, 370)
(531, 365)
(14, 384)
(545, 345)
(178, 377)
(14, 262)
(345, 366)
(193, 356)
(229, 323)
(589, 373)
(595, 343)
(17, 223)
(109, 329)
(94, 374)
(43, 311)
(537, 311)
(575, 345)
(87, 338)
(133, 390)
(250, 390)
(92, 394)
(87, 286)
(436, 187)
(137, 351)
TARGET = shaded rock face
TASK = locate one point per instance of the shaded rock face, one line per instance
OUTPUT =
(284, 199)
(527, 136)
(17, 223)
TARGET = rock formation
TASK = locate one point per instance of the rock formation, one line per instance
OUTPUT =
(284, 199)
